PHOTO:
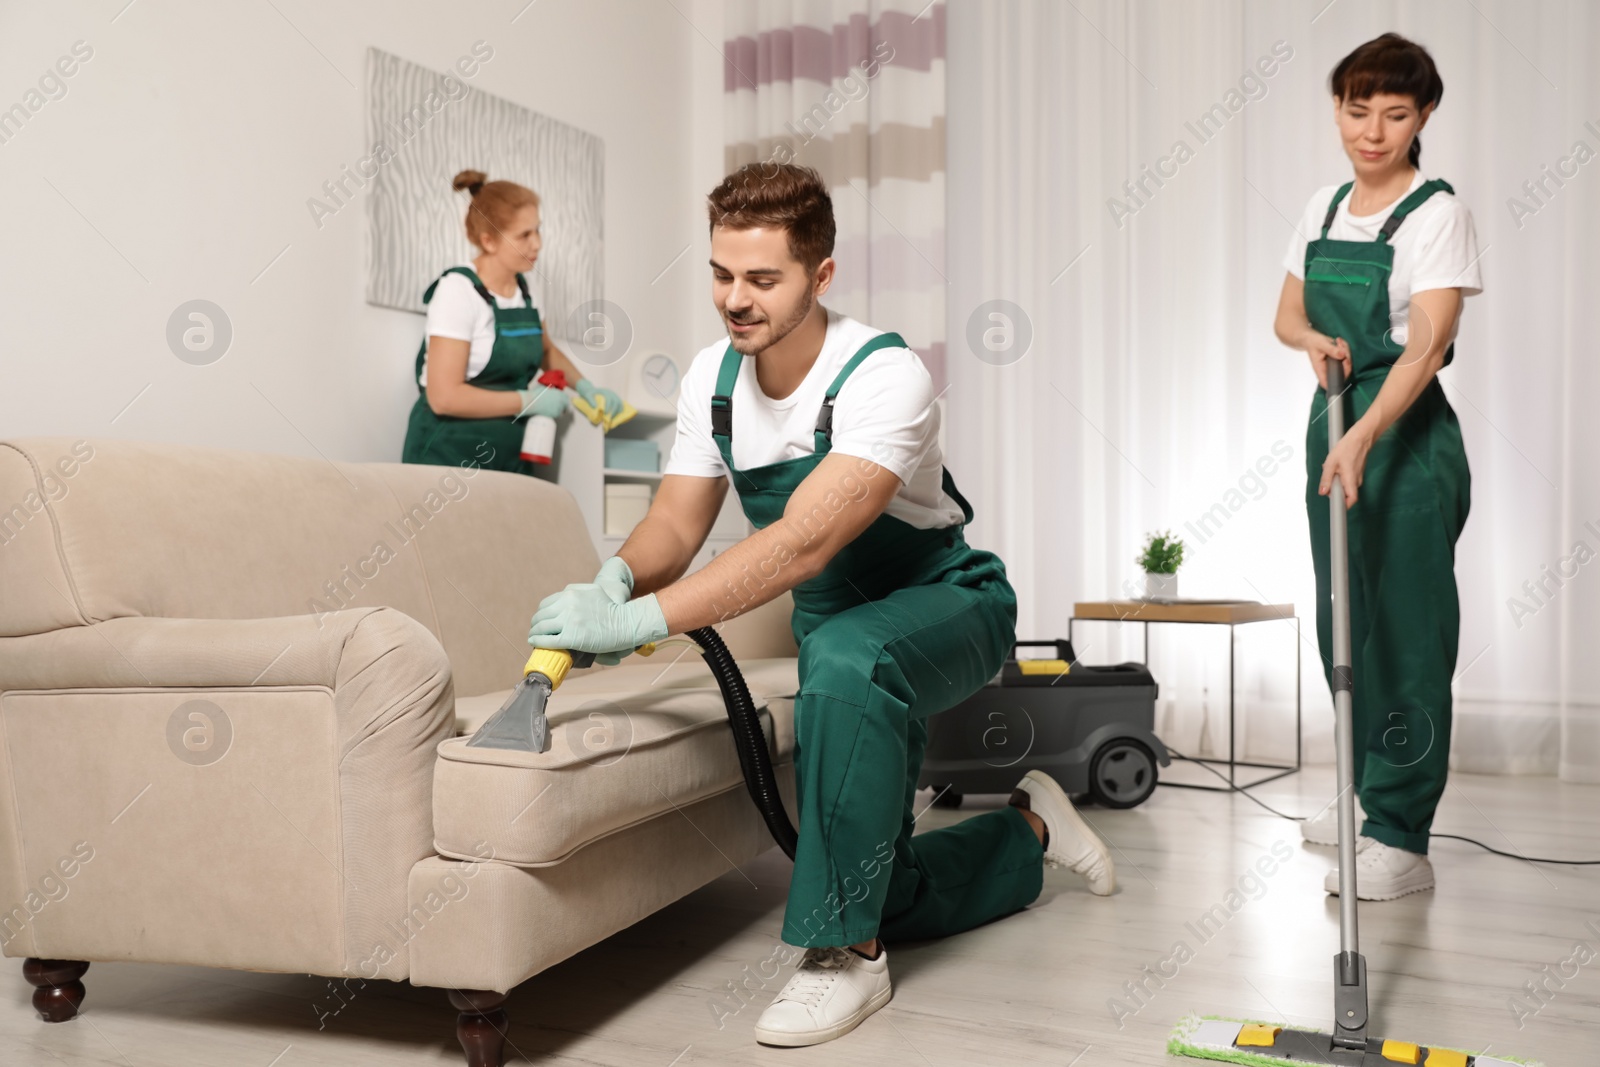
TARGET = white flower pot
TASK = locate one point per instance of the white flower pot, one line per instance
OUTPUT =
(1160, 586)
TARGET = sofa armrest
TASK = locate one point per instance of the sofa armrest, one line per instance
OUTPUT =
(288, 848)
(186, 652)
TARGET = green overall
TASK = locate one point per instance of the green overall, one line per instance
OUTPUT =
(1404, 613)
(901, 624)
(491, 444)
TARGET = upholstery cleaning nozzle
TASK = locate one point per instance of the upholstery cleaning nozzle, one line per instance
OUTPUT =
(520, 724)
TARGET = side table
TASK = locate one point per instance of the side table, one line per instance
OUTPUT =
(1229, 613)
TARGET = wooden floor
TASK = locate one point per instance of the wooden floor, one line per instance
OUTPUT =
(1033, 988)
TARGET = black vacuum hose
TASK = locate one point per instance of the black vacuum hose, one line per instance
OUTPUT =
(748, 737)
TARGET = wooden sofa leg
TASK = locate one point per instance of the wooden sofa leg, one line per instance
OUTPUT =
(481, 1026)
(57, 991)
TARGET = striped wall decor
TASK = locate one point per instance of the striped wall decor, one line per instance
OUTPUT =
(415, 220)
(855, 88)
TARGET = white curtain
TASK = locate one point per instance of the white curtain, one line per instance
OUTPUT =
(854, 88)
(1153, 385)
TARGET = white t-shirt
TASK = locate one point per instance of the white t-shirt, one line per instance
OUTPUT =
(1436, 247)
(457, 311)
(885, 412)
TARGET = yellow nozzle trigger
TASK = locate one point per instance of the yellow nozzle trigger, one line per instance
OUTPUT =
(553, 663)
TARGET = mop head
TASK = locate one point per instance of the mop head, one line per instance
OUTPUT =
(1268, 1045)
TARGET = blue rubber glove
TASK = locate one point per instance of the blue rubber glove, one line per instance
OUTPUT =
(583, 617)
(541, 400)
(616, 578)
(588, 390)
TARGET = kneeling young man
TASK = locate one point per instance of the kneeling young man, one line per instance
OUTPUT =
(828, 431)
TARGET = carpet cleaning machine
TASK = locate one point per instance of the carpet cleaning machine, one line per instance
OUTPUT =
(1090, 728)
(1235, 1041)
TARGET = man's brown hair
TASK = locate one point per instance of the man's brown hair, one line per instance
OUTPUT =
(778, 195)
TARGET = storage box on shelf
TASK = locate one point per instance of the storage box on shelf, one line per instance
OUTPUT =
(626, 505)
(632, 454)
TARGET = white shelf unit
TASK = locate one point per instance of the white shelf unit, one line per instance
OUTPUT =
(579, 467)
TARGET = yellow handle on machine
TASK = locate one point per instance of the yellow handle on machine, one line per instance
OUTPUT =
(554, 663)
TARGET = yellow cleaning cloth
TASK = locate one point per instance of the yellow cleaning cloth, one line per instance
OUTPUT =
(599, 416)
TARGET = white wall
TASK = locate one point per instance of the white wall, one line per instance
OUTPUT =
(178, 164)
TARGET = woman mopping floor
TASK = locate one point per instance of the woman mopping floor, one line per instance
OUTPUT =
(1387, 618)
(1380, 291)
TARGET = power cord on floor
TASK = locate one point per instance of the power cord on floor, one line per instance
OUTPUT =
(1244, 791)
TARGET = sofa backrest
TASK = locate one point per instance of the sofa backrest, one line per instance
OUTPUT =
(96, 529)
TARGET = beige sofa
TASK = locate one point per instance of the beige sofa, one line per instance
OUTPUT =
(232, 693)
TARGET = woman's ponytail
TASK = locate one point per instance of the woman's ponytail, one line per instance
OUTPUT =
(471, 180)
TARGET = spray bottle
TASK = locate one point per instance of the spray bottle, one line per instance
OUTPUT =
(539, 435)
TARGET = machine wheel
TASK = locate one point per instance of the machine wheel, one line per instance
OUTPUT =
(945, 797)
(1122, 774)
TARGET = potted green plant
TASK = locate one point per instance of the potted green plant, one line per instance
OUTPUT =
(1161, 558)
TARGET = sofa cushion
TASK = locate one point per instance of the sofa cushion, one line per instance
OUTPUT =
(627, 743)
(669, 668)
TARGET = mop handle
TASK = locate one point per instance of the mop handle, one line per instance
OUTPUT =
(1343, 677)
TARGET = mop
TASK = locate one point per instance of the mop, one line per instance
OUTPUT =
(1268, 1044)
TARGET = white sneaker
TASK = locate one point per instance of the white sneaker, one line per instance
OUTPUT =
(1384, 872)
(830, 993)
(1324, 828)
(1072, 843)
